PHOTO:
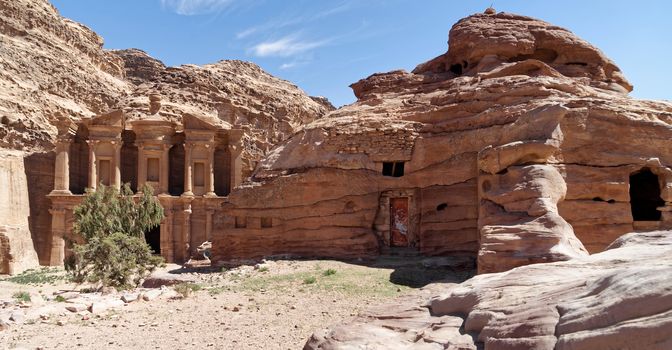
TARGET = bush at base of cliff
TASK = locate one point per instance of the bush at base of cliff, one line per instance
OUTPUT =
(112, 225)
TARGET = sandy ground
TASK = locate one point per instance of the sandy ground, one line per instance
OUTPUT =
(275, 307)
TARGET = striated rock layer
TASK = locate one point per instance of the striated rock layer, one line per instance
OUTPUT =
(239, 93)
(519, 145)
(52, 67)
(617, 299)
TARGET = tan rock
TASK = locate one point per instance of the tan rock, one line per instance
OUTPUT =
(513, 143)
(613, 299)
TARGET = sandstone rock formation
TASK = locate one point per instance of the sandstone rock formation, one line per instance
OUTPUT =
(16, 245)
(236, 92)
(518, 145)
(53, 67)
(617, 299)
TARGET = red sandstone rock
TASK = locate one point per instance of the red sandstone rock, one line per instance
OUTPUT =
(513, 143)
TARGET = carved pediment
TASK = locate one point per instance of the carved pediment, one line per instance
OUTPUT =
(192, 122)
(113, 119)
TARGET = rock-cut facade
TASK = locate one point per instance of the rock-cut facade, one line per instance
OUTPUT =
(518, 145)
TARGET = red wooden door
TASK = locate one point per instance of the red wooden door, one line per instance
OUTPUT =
(399, 222)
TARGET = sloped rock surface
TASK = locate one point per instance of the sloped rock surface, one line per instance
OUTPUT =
(239, 93)
(50, 65)
(511, 104)
(53, 66)
(618, 299)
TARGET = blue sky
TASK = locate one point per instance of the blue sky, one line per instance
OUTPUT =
(324, 46)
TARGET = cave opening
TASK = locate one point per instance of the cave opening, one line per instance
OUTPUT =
(645, 196)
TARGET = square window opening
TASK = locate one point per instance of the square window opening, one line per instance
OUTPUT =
(393, 169)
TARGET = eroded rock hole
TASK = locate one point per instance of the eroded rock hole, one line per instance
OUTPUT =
(441, 207)
(645, 196)
(456, 68)
(485, 186)
(543, 55)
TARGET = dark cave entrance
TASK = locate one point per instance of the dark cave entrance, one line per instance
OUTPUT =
(153, 239)
(645, 196)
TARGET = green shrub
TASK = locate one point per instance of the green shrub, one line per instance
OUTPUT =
(328, 272)
(60, 299)
(185, 289)
(263, 269)
(309, 280)
(44, 275)
(112, 225)
(22, 296)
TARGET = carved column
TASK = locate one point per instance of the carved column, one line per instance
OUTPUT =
(208, 225)
(186, 232)
(116, 181)
(167, 247)
(58, 229)
(236, 175)
(62, 171)
(188, 172)
(210, 176)
(93, 173)
(142, 167)
(164, 174)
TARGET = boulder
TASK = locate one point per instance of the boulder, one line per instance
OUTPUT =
(151, 294)
(619, 299)
(104, 305)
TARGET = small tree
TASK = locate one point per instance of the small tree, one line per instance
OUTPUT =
(113, 225)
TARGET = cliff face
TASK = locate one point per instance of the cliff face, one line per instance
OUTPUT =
(519, 146)
(239, 93)
(50, 65)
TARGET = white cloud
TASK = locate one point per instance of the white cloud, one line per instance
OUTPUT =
(287, 46)
(288, 65)
(195, 7)
(293, 20)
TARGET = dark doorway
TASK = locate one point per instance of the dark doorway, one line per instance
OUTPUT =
(222, 170)
(153, 238)
(645, 196)
(176, 163)
(79, 161)
(129, 160)
(399, 222)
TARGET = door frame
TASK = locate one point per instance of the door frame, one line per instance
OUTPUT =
(383, 220)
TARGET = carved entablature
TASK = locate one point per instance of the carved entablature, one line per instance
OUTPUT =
(107, 126)
(153, 130)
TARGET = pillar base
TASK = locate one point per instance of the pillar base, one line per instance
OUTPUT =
(210, 194)
(60, 193)
(188, 194)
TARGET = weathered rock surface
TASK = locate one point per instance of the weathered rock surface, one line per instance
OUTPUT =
(617, 299)
(237, 92)
(17, 252)
(515, 143)
(53, 67)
